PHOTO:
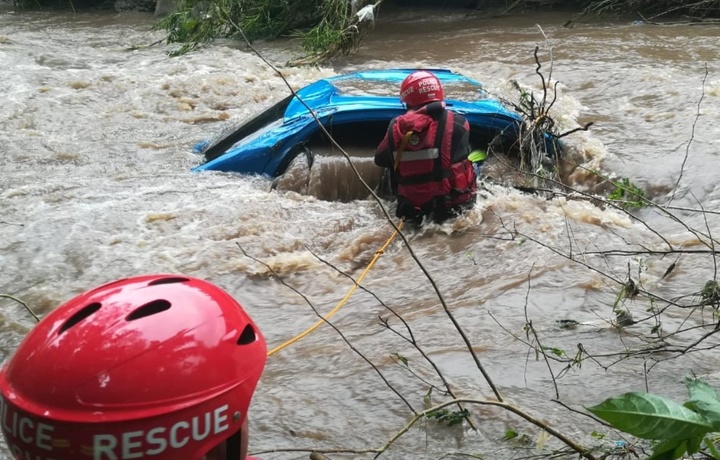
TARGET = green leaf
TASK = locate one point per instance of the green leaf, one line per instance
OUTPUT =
(705, 401)
(554, 350)
(668, 450)
(447, 417)
(700, 390)
(510, 434)
(672, 450)
(711, 448)
(400, 358)
(439, 414)
(693, 444)
(650, 416)
(457, 418)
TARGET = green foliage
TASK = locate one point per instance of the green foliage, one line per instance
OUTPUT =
(537, 147)
(398, 358)
(199, 22)
(517, 438)
(328, 33)
(325, 26)
(526, 99)
(192, 27)
(628, 194)
(649, 416)
(680, 429)
(321, 37)
(555, 351)
(707, 8)
(447, 417)
(710, 294)
(704, 401)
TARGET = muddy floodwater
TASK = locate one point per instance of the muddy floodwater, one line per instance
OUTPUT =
(97, 131)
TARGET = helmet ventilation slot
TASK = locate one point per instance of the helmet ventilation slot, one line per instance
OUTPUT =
(167, 280)
(150, 308)
(80, 315)
(247, 337)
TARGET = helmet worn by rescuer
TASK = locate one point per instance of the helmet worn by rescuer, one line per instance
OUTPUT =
(420, 88)
(155, 366)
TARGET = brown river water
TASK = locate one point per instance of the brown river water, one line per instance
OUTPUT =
(97, 135)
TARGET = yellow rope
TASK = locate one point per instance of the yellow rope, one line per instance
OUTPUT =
(378, 253)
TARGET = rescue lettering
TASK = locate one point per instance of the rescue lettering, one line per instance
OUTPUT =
(428, 85)
(138, 444)
(405, 93)
(20, 429)
(30, 439)
(18, 426)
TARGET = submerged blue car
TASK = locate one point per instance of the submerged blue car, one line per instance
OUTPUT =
(355, 109)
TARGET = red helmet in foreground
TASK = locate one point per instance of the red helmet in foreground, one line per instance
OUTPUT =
(420, 88)
(160, 366)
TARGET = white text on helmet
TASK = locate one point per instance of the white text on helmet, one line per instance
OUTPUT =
(427, 85)
(20, 429)
(17, 426)
(138, 444)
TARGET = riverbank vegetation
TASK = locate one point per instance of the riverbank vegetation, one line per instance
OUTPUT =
(328, 28)
(331, 27)
(325, 27)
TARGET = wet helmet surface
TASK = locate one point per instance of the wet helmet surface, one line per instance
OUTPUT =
(159, 365)
(420, 88)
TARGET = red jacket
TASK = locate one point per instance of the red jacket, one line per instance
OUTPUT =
(427, 149)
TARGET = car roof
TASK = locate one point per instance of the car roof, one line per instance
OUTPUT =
(378, 89)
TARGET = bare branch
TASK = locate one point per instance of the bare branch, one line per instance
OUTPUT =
(582, 451)
(29, 310)
(342, 336)
(692, 136)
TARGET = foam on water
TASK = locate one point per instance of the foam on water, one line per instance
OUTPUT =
(96, 185)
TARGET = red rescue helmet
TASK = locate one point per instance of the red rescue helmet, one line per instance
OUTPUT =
(160, 366)
(420, 88)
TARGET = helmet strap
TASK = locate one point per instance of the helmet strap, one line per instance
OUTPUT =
(232, 446)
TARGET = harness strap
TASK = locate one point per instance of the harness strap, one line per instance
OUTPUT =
(440, 173)
(233, 446)
(441, 128)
